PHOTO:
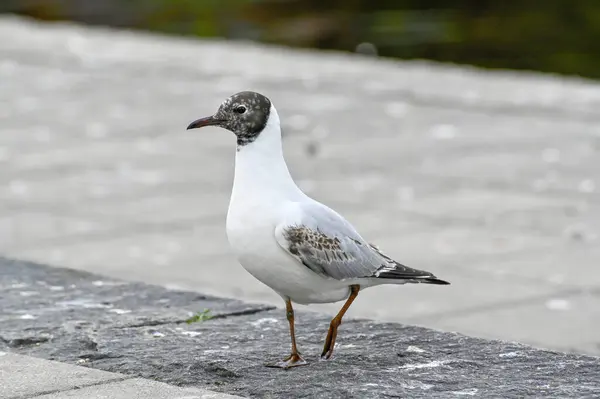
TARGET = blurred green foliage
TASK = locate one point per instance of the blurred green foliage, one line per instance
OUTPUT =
(560, 36)
(199, 317)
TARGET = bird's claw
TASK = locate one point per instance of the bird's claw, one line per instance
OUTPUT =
(326, 355)
(293, 360)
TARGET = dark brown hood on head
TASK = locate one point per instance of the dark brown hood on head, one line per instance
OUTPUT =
(245, 114)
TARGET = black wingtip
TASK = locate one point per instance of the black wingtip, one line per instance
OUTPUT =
(435, 280)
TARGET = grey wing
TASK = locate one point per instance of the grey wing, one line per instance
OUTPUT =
(326, 243)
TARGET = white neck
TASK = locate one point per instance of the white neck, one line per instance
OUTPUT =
(260, 166)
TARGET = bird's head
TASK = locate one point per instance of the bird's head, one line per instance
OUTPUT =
(245, 114)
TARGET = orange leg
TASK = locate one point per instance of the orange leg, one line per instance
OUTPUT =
(294, 359)
(335, 323)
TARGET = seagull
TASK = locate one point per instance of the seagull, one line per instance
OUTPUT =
(303, 250)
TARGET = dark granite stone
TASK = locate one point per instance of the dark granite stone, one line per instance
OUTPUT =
(140, 329)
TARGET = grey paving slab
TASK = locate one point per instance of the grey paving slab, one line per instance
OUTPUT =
(551, 314)
(488, 179)
(18, 228)
(140, 330)
(137, 388)
(565, 265)
(26, 377)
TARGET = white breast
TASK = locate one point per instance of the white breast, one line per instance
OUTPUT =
(262, 190)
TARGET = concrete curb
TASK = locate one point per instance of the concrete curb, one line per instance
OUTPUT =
(140, 330)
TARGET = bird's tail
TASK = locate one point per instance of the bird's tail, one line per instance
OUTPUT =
(397, 271)
(433, 280)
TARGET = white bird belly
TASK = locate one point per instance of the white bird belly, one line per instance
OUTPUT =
(260, 254)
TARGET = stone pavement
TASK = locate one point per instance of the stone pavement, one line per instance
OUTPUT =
(489, 180)
(139, 330)
(24, 377)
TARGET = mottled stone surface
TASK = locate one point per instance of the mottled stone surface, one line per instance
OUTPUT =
(139, 330)
(487, 179)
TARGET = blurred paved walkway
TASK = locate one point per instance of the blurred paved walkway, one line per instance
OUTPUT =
(490, 180)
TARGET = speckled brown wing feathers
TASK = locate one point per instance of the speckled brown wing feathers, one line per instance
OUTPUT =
(328, 245)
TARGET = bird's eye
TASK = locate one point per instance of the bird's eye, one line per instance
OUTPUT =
(240, 110)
